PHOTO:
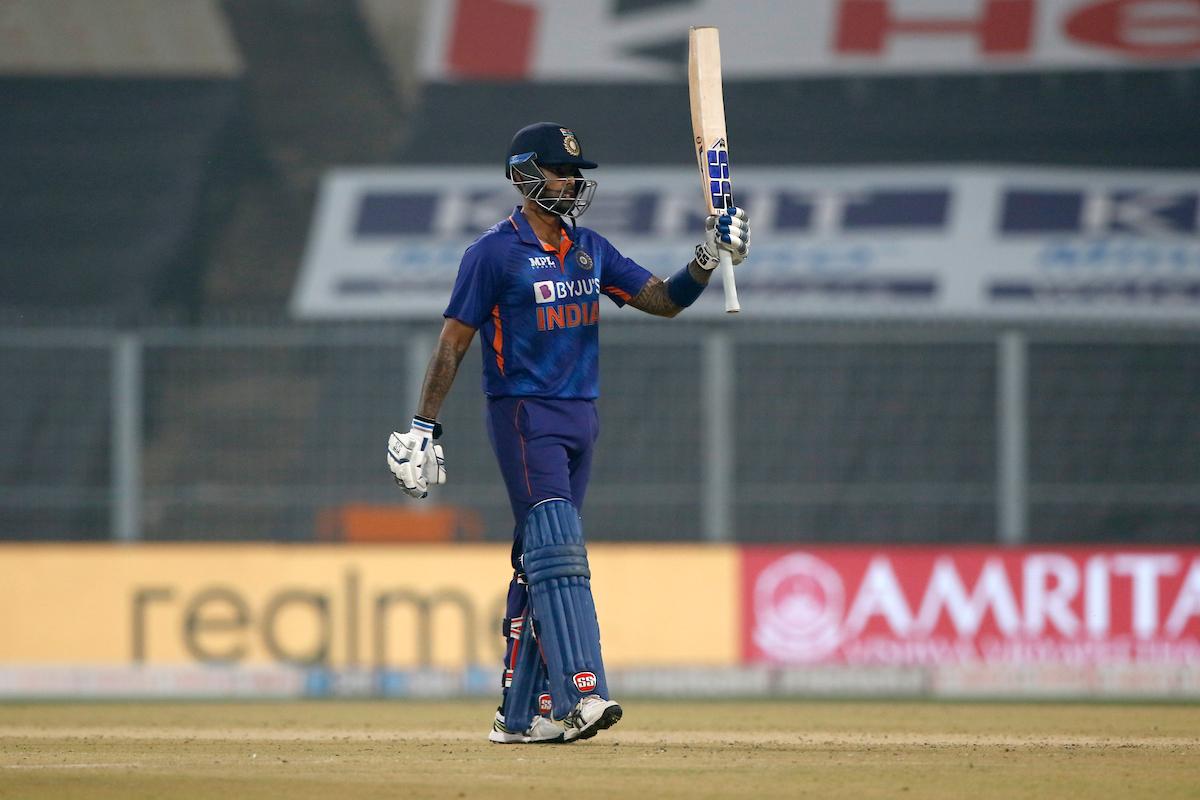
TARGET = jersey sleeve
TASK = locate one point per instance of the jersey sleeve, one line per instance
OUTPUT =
(477, 287)
(621, 278)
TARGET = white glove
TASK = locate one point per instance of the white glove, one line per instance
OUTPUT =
(415, 461)
(729, 231)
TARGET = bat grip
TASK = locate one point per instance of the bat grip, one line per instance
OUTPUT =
(726, 267)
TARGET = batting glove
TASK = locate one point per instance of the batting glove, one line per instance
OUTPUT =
(415, 461)
(728, 231)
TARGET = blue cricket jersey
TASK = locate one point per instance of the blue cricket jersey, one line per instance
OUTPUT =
(537, 309)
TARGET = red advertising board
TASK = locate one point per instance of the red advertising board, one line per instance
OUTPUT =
(971, 605)
(539, 41)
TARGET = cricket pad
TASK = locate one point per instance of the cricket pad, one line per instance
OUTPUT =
(522, 695)
(560, 593)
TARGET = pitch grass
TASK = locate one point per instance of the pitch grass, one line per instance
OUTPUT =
(326, 750)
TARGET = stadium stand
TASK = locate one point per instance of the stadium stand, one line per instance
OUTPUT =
(131, 195)
(1117, 435)
(318, 97)
(162, 186)
(45, 494)
(118, 121)
(1136, 118)
(115, 115)
(105, 190)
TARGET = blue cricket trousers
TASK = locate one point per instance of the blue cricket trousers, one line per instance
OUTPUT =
(544, 448)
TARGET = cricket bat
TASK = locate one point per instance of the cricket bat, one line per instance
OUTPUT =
(712, 146)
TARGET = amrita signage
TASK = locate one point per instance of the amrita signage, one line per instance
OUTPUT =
(971, 605)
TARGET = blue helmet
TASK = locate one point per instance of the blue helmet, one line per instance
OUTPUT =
(548, 144)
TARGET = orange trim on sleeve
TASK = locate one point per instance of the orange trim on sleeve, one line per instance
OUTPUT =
(615, 292)
(498, 338)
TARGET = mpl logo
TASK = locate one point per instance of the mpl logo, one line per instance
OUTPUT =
(1100, 212)
(543, 292)
(798, 605)
(584, 681)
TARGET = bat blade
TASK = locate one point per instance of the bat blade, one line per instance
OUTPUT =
(710, 138)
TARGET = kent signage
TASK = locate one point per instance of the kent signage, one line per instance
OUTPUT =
(863, 242)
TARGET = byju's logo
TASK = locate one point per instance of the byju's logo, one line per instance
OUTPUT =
(1100, 212)
(547, 291)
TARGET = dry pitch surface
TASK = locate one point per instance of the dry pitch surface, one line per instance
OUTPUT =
(326, 750)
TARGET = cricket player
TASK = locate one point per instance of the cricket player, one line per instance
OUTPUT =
(531, 285)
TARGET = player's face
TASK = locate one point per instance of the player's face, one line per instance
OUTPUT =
(561, 184)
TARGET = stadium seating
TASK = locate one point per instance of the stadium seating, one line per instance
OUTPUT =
(104, 191)
(128, 199)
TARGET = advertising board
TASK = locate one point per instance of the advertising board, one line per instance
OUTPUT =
(541, 40)
(865, 242)
(358, 607)
(971, 606)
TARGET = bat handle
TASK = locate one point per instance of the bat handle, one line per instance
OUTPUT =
(726, 266)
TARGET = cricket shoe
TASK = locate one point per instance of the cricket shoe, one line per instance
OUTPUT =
(502, 735)
(546, 731)
(591, 715)
(542, 731)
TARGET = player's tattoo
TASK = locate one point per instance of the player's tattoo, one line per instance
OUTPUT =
(653, 298)
(439, 376)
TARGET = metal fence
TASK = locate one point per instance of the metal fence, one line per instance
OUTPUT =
(750, 432)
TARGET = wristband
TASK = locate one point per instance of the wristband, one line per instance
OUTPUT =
(427, 425)
(683, 289)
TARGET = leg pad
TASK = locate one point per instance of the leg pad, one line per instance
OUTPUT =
(560, 593)
(524, 676)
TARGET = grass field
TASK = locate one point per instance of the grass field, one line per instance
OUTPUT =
(755, 749)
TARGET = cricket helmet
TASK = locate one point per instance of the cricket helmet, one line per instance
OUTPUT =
(548, 144)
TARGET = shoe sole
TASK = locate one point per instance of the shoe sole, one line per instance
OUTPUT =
(611, 716)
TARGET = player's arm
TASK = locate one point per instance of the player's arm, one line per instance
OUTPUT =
(655, 296)
(415, 460)
(729, 231)
(452, 345)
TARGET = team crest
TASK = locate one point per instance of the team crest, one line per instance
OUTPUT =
(570, 143)
(583, 260)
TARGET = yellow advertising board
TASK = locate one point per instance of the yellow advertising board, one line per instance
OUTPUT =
(343, 605)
